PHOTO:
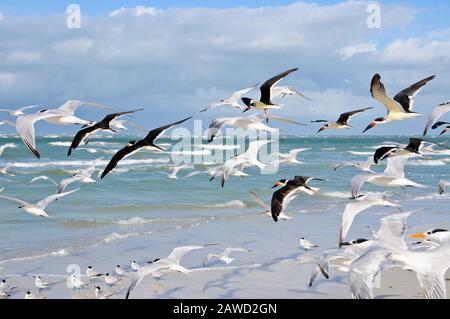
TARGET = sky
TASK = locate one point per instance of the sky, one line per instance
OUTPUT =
(174, 57)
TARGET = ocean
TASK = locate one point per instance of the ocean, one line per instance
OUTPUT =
(136, 212)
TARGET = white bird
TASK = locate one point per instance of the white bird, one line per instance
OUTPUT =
(119, 271)
(176, 170)
(91, 273)
(437, 236)
(232, 101)
(282, 91)
(4, 286)
(393, 176)
(42, 178)
(400, 107)
(65, 114)
(40, 283)
(224, 256)
(249, 158)
(83, 176)
(216, 172)
(362, 166)
(442, 186)
(29, 295)
(440, 110)
(75, 282)
(100, 294)
(169, 263)
(359, 205)
(4, 294)
(135, 265)
(38, 209)
(291, 157)
(110, 279)
(5, 146)
(19, 111)
(306, 244)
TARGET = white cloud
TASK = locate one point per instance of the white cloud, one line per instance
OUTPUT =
(137, 11)
(1, 16)
(361, 48)
(23, 57)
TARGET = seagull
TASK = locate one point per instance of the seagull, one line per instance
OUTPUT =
(286, 90)
(249, 158)
(306, 244)
(440, 110)
(42, 178)
(119, 271)
(40, 283)
(442, 186)
(135, 146)
(233, 100)
(5, 146)
(135, 265)
(176, 170)
(400, 107)
(341, 123)
(100, 294)
(29, 295)
(362, 166)
(359, 205)
(38, 209)
(265, 102)
(83, 176)
(64, 115)
(223, 256)
(169, 263)
(393, 176)
(291, 188)
(85, 134)
(19, 111)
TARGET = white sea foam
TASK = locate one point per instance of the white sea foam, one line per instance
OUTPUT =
(328, 149)
(65, 144)
(85, 163)
(230, 204)
(360, 153)
(218, 146)
(337, 194)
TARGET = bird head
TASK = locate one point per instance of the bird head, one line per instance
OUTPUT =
(281, 182)
(427, 233)
(354, 242)
(374, 123)
(323, 128)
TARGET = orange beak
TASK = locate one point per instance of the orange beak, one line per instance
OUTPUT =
(418, 235)
(371, 125)
(277, 184)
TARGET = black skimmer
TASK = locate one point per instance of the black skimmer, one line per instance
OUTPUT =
(86, 133)
(265, 102)
(232, 101)
(135, 146)
(291, 188)
(342, 122)
(440, 110)
(400, 107)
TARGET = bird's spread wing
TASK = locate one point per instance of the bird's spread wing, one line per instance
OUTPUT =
(122, 153)
(179, 252)
(343, 118)
(358, 181)
(215, 127)
(153, 134)
(381, 153)
(259, 201)
(395, 167)
(71, 106)
(283, 119)
(238, 94)
(378, 92)
(49, 199)
(440, 110)
(405, 97)
(18, 201)
(81, 136)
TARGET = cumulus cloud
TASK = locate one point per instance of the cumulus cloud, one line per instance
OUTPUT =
(174, 61)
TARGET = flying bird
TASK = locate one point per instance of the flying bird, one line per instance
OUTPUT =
(86, 133)
(224, 256)
(83, 176)
(265, 102)
(135, 146)
(342, 121)
(362, 166)
(19, 111)
(400, 107)
(287, 90)
(440, 110)
(232, 101)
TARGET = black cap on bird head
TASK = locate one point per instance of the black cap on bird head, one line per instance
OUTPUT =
(281, 182)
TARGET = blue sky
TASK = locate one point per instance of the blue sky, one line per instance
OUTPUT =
(181, 55)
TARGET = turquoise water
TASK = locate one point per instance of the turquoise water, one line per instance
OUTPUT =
(137, 200)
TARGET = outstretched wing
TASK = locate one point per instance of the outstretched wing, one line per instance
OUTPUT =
(266, 88)
(49, 199)
(406, 96)
(153, 134)
(345, 116)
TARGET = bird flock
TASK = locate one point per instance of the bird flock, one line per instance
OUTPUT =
(363, 260)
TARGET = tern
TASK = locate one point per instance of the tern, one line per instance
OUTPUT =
(91, 273)
(440, 110)
(400, 107)
(224, 256)
(306, 244)
(362, 166)
(83, 176)
(29, 295)
(287, 90)
(42, 178)
(100, 294)
(249, 158)
(5, 146)
(135, 146)
(135, 265)
(291, 157)
(119, 271)
(40, 283)
(111, 280)
(439, 236)
(342, 121)
(85, 134)
(359, 205)
(442, 186)
(76, 282)
(176, 170)
(393, 176)
(169, 263)
(237, 172)
(232, 101)
(265, 102)
(4, 286)
(19, 111)
(38, 209)
(291, 188)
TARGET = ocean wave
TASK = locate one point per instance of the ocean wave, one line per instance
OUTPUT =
(427, 163)
(328, 149)
(65, 144)
(116, 236)
(85, 163)
(203, 152)
(218, 146)
(230, 204)
(345, 195)
(360, 153)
